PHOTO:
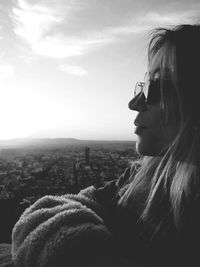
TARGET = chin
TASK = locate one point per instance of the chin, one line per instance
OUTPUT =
(140, 149)
(146, 149)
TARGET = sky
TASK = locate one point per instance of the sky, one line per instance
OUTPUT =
(68, 67)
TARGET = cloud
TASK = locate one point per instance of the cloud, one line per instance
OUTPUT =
(1, 33)
(152, 19)
(61, 46)
(74, 70)
(43, 26)
(6, 71)
(171, 18)
(33, 21)
(36, 24)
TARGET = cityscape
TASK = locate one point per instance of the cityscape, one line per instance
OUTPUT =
(28, 172)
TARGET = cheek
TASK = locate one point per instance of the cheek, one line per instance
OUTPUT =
(156, 137)
(169, 133)
(155, 140)
(150, 142)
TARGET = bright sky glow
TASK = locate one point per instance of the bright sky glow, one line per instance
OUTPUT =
(67, 68)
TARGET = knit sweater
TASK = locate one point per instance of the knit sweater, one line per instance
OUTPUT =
(67, 230)
(88, 229)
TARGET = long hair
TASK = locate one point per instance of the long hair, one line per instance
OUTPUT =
(173, 177)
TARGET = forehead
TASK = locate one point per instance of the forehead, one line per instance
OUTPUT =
(161, 63)
(156, 63)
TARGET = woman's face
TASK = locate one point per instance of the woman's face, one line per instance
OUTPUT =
(154, 136)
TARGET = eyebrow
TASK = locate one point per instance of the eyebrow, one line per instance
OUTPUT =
(155, 72)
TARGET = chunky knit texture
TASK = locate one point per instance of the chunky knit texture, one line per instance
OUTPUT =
(70, 230)
(56, 227)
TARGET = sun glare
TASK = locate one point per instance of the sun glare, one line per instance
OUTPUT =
(21, 112)
(30, 113)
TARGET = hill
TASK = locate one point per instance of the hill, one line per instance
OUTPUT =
(58, 143)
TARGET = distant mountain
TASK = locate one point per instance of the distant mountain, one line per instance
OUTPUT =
(21, 142)
(49, 143)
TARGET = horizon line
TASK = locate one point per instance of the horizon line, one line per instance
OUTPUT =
(73, 138)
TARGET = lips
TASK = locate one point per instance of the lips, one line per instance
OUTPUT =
(139, 128)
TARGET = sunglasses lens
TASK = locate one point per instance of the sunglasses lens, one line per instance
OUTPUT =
(138, 88)
(151, 89)
(146, 89)
(154, 95)
(146, 85)
(141, 87)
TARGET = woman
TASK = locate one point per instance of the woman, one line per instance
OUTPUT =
(150, 215)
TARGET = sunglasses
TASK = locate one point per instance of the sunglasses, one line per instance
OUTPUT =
(151, 89)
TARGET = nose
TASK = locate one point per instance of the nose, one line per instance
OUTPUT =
(138, 103)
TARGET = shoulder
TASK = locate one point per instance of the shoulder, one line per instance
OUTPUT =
(59, 224)
(107, 195)
(129, 174)
(5, 255)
